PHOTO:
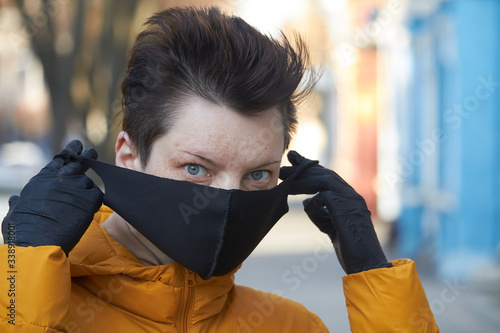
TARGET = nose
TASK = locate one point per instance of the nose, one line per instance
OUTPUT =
(227, 182)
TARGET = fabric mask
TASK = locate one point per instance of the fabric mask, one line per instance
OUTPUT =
(205, 229)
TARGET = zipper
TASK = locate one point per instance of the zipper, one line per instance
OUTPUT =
(190, 282)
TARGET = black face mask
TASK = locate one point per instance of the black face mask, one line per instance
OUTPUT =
(207, 230)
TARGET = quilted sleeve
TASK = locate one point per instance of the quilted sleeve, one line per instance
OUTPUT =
(35, 287)
(388, 300)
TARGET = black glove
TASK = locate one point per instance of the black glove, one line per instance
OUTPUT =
(56, 206)
(346, 219)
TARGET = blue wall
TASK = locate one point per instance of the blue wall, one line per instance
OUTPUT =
(465, 41)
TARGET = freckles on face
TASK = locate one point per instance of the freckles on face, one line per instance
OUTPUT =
(216, 146)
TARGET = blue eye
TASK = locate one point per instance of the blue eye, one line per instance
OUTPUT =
(196, 170)
(259, 175)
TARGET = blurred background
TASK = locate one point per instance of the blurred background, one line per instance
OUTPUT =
(407, 111)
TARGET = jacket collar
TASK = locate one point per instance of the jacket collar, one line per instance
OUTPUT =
(103, 265)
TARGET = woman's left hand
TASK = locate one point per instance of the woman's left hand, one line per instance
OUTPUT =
(340, 212)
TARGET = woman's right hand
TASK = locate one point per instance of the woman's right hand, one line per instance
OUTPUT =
(56, 206)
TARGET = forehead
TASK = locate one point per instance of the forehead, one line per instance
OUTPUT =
(220, 130)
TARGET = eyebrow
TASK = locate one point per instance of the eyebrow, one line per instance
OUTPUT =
(201, 157)
(215, 163)
(265, 164)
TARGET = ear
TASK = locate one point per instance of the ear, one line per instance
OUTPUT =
(126, 154)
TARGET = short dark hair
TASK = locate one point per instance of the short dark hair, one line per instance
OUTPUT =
(203, 52)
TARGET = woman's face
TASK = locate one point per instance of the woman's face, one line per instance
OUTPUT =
(213, 145)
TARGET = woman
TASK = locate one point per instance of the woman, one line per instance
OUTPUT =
(208, 110)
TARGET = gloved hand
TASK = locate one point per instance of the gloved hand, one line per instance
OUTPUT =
(56, 206)
(340, 212)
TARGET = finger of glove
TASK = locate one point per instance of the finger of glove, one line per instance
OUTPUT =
(77, 167)
(305, 185)
(286, 171)
(308, 181)
(13, 201)
(90, 153)
(294, 157)
(315, 210)
(69, 182)
(75, 147)
(318, 178)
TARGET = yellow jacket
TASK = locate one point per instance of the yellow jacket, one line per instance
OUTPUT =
(111, 291)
